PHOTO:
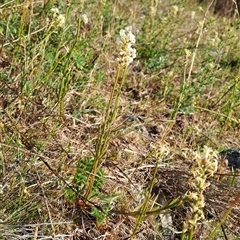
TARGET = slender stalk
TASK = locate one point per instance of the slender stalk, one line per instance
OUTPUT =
(127, 54)
(190, 235)
(105, 129)
(143, 210)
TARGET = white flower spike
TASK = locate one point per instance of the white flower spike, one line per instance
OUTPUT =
(125, 42)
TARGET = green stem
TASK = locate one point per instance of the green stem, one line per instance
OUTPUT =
(105, 129)
(190, 235)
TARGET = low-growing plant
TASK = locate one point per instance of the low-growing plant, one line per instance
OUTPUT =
(79, 182)
(89, 177)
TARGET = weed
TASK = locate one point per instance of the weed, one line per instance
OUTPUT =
(83, 170)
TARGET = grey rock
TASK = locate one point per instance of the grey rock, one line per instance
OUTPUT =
(232, 156)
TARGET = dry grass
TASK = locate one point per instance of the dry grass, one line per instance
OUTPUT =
(41, 144)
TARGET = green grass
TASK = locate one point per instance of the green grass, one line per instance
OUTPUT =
(181, 93)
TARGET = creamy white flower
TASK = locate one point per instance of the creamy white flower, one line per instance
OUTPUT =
(125, 42)
(175, 9)
(84, 18)
(60, 21)
(55, 11)
(192, 195)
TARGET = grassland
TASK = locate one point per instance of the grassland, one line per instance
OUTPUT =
(58, 66)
